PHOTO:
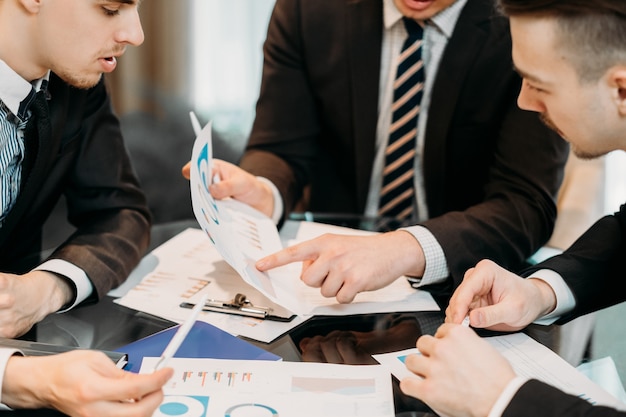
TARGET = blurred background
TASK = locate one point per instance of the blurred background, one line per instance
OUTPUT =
(200, 55)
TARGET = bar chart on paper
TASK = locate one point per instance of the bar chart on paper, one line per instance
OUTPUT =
(219, 388)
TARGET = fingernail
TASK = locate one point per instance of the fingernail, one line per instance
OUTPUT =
(261, 263)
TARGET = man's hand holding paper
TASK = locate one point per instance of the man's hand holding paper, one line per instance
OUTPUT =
(243, 235)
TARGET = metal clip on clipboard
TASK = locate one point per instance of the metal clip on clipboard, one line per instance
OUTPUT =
(240, 305)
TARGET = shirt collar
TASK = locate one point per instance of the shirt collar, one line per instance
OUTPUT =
(445, 20)
(14, 89)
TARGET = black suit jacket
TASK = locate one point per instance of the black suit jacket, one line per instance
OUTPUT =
(536, 398)
(491, 171)
(86, 161)
(594, 266)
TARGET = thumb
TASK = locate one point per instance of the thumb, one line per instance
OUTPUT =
(494, 317)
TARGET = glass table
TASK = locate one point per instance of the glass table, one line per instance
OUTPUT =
(348, 339)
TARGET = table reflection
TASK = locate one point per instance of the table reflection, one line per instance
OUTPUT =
(353, 340)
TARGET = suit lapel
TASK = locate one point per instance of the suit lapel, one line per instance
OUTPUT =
(364, 29)
(461, 51)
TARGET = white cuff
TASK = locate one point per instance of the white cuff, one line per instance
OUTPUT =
(277, 214)
(506, 395)
(436, 268)
(82, 285)
(565, 301)
(5, 355)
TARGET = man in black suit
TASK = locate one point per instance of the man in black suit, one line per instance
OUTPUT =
(322, 124)
(59, 136)
(572, 56)
(76, 151)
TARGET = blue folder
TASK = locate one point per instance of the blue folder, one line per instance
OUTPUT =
(203, 341)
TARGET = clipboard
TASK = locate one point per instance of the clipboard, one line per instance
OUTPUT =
(240, 305)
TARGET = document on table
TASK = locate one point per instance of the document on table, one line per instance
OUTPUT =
(188, 266)
(528, 358)
(219, 260)
(182, 270)
(218, 388)
(242, 235)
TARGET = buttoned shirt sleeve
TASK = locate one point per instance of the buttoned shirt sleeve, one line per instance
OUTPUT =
(506, 395)
(436, 269)
(565, 301)
(81, 283)
(278, 200)
(5, 355)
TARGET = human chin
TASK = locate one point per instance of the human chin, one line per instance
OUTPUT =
(418, 9)
(584, 154)
(82, 81)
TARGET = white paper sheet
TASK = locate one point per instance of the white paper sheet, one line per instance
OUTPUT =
(182, 270)
(528, 358)
(223, 388)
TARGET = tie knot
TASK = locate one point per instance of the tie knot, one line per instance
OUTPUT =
(413, 28)
(39, 106)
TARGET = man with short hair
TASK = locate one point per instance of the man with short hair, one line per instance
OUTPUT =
(59, 137)
(572, 57)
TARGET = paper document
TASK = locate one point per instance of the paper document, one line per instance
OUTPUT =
(188, 266)
(240, 233)
(528, 358)
(243, 235)
(219, 388)
(182, 270)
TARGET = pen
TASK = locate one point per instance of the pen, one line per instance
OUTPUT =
(180, 335)
(195, 123)
(197, 128)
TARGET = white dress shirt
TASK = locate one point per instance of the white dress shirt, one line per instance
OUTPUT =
(5, 355)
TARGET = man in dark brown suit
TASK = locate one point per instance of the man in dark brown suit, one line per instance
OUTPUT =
(485, 173)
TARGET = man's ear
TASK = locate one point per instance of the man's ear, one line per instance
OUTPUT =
(617, 83)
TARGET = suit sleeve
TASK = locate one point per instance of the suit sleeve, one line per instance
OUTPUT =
(593, 267)
(105, 202)
(536, 398)
(286, 125)
(503, 166)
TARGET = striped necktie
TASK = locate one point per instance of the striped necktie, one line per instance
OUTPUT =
(397, 192)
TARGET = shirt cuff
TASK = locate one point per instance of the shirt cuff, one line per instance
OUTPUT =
(82, 285)
(5, 355)
(277, 214)
(506, 396)
(436, 268)
(565, 301)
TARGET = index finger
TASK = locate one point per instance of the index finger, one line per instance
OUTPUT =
(301, 252)
(461, 301)
(149, 383)
(134, 386)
